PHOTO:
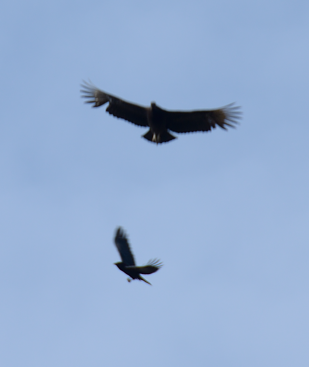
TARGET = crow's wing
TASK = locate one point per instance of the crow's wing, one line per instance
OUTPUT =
(123, 248)
(117, 107)
(185, 122)
(151, 267)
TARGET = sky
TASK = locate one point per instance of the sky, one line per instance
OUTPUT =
(226, 211)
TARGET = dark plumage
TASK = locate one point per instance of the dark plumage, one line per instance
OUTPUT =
(128, 264)
(161, 121)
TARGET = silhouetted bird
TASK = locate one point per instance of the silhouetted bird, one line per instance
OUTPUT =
(160, 121)
(128, 264)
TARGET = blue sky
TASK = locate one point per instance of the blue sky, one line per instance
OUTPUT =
(227, 212)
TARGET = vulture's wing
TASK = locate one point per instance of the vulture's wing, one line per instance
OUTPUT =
(185, 122)
(151, 267)
(123, 248)
(116, 107)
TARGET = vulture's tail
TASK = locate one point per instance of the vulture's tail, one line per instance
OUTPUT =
(161, 138)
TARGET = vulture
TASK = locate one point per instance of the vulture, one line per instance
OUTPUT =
(159, 121)
(127, 265)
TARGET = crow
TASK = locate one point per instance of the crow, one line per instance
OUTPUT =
(127, 265)
(159, 121)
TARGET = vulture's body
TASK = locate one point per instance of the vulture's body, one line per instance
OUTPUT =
(159, 121)
(127, 265)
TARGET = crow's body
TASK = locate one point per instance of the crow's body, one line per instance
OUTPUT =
(127, 265)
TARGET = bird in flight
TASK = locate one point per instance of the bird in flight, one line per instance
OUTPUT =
(159, 121)
(127, 265)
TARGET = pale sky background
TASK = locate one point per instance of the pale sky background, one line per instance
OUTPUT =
(227, 212)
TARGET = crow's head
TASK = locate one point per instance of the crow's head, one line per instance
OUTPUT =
(120, 265)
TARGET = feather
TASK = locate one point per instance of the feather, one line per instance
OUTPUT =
(117, 107)
(184, 122)
(123, 248)
(151, 267)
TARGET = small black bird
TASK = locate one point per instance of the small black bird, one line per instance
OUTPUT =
(128, 264)
(160, 121)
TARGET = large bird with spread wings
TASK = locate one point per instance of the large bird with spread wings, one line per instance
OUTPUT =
(128, 263)
(159, 121)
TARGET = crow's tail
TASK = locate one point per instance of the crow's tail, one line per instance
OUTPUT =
(141, 278)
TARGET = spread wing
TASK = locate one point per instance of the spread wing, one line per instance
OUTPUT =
(151, 267)
(116, 107)
(185, 122)
(123, 248)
